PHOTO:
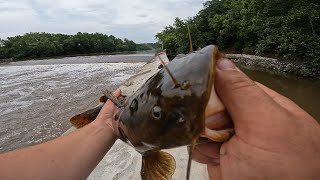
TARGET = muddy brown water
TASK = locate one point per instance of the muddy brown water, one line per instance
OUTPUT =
(304, 92)
(38, 97)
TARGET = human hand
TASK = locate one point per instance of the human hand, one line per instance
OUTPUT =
(274, 138)
(107, 112)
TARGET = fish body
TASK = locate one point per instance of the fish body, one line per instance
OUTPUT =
(161, 116)
(168, 111)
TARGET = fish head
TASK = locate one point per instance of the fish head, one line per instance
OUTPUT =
(165, 114)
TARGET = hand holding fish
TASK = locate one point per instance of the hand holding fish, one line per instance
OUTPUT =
(274, 138)
(178, 106)
(108, 110)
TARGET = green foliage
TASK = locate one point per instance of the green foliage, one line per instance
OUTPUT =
(175, 38)
(144, 47)
(284, 28)
(34, 45)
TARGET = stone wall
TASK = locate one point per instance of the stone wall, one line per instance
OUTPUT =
(275, 66)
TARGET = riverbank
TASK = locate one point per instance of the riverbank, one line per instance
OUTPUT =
(152, 51)
(276, 66)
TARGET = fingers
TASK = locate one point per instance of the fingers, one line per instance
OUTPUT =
(116, 94)
(244, 100)
(107, 112)
(108, 108)
(207, 153)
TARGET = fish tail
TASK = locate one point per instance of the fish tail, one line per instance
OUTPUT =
(157, 165)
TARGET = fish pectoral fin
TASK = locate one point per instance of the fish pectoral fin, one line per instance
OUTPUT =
(157, 165)
(218, 136)
(103, 99)
(85, 118)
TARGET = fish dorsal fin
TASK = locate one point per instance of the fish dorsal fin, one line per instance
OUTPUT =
(190, 40)
(157, 165)
(103, 99)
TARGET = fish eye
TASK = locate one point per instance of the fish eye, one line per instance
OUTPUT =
(156, 112)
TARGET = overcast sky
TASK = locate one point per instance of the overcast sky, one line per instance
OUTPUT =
(137, 20)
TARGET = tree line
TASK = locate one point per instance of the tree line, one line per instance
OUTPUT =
(37, 45)
(276, 28)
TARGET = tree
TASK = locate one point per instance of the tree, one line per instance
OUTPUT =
(283, 28)
(33, 45)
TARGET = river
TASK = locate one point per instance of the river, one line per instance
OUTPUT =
(304, 92)
(38, 97)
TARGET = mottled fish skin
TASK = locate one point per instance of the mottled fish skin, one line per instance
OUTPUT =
(167, 111)
(159, 116)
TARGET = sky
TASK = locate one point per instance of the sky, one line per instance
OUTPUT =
(137, 20)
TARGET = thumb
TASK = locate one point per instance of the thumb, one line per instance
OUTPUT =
(244, 100)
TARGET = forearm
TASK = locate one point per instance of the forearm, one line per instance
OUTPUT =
(69, 157)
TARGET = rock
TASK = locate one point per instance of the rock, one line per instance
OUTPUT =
(275, 66)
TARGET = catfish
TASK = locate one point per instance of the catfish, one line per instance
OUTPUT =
(169, 111)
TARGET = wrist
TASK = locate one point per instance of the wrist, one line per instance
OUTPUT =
(105, 128)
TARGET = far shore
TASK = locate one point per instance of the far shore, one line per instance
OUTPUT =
(153, 51)
(265, 64)
(276, 66)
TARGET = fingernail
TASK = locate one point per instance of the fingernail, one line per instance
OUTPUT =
(225, 64)
(223, 150)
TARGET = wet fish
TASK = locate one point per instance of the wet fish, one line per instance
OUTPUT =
(168, 111)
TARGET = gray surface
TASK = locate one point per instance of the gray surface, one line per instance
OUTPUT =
(124, 163)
